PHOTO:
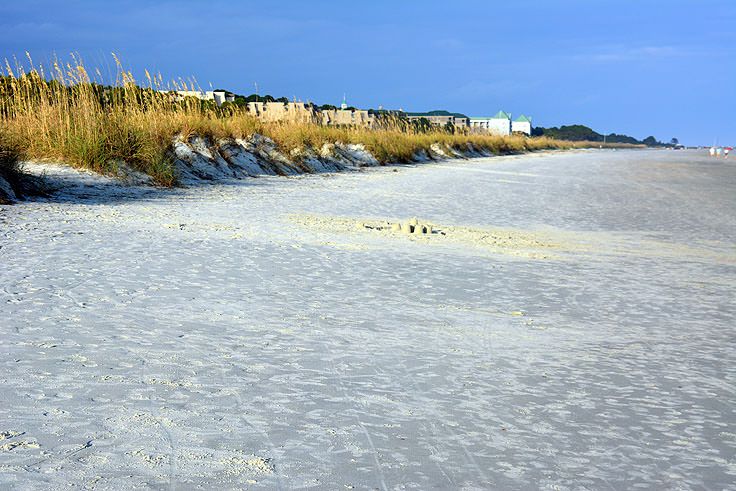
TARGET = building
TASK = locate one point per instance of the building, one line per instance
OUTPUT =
(217, 96)
(296, 112)
(479, 125)
(434, 119)
(220, 97)
(522, 124)
(347, 117)
(462, 121)
(179, 95)
(500, 124)
(305, 113)
(440, 117)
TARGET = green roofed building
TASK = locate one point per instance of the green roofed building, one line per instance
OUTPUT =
(522, 124)
(500, 124)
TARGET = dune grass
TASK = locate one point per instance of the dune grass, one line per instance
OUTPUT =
(63, 113)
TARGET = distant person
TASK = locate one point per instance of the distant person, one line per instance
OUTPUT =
(718, 152)
(725, 152)
(712, 152)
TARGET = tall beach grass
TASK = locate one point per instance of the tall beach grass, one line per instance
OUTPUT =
(64, 112)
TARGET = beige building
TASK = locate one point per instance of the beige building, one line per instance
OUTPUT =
(278, 111)
(300, 112)
(440, 118)
(347, 117)
(291, 111)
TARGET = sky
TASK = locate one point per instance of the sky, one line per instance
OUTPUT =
(661, 68)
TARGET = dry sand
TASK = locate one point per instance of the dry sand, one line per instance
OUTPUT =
(570, 323)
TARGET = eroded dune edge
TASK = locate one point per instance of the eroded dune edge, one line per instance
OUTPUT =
(197, 159)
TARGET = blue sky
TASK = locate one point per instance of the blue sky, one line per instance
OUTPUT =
(642, 68)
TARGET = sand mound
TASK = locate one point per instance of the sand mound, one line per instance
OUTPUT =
(531, 244)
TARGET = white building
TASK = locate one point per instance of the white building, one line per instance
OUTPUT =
(522, 124)
(221, 96)
(218, 96)
(500, 124)
(479, 123)
(205, 95)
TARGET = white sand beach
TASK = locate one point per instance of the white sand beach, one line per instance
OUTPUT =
(570, 323)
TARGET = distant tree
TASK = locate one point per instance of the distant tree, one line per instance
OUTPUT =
(578, 132)
(650, 141)
(675, 141)
(614, 138)
(575, 132)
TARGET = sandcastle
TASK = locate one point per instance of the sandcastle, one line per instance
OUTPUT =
(413, 226)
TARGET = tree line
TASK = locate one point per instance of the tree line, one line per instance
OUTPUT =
(578, 132)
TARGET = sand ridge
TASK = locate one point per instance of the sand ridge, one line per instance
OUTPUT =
(531, 244)
(499, 240)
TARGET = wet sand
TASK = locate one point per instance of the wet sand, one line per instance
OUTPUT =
(573, 326)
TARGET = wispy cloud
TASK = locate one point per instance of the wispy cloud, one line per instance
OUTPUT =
(622, 53)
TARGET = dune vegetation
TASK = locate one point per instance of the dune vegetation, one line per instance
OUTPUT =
(65, 113)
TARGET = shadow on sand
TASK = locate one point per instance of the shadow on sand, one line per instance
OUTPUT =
(64, 184)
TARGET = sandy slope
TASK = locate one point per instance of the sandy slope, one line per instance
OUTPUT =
(573, 327)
